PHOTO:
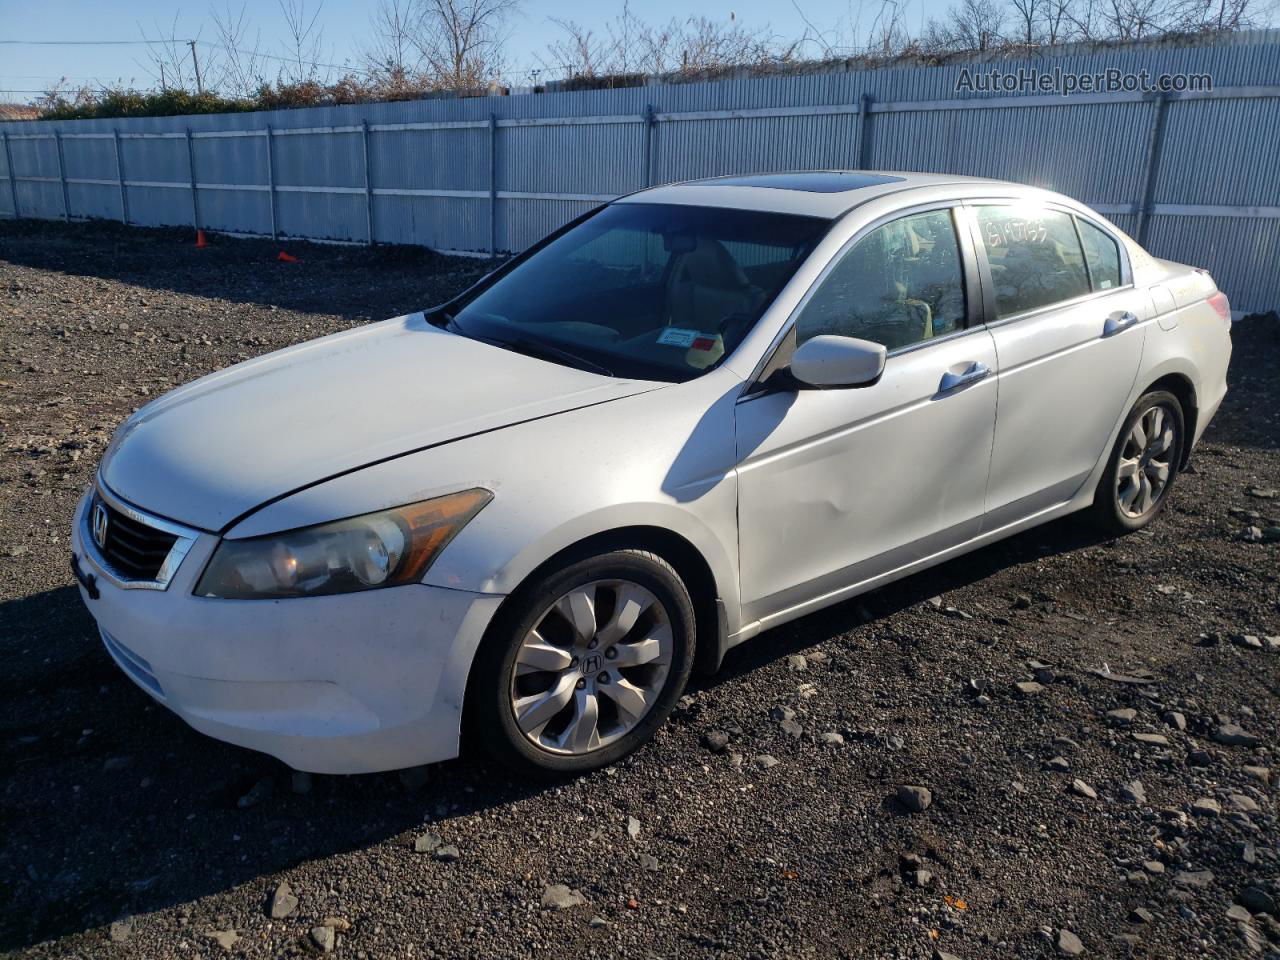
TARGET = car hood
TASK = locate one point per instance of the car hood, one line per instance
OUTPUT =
(215, 449)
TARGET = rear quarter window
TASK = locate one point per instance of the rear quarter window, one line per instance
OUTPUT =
(1102, 254)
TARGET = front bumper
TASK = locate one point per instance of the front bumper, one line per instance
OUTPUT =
(353, 683)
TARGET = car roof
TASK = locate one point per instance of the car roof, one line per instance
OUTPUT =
(814, 193)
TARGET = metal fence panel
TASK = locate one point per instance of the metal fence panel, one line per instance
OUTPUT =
(496, 173)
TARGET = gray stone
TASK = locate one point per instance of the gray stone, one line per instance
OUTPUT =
(1176, 720)
(120, 930)
(1152, 739)
(1122, 717)
(1257, 900)
(448, 853)
(1247, 640)
(1153, 866)
(1082, 789)
(1261, 774)
(765, 761)
(1206, 807)
(557, 896)
(916, 799)
(1133, 791)
(1239, 914)
(649, 862)
(1200, 758)
(226, 939)
(791, 729)
(633, 827)
(833, 738)
(920, 878)
(1233, 735)
(324, 939)
(1028, 688)
(795, 662)
(1195, 879)
(1069, 944)
(781, 712)
(283, 901)
(1243, 804)
(1140, 915)
(429, 842)
(257, 793)
(1057, 764)
(715, 740)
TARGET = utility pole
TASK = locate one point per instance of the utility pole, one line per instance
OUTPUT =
(195, 60)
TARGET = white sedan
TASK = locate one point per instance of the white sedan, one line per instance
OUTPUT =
(688, 416)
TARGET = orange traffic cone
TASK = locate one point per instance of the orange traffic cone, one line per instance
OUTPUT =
(285, 258)
(201, 242)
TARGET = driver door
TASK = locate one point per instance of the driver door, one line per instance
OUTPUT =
(839, 486)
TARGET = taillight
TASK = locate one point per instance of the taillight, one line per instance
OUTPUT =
(1220, 303)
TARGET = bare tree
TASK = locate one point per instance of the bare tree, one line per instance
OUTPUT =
(971, 25)
(303, 44)
(691, 47)
(460, 42)
(238, 68)
(168, 58)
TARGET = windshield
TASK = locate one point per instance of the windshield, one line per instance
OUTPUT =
(651, 291)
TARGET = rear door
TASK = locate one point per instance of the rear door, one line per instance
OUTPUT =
(1069, 331)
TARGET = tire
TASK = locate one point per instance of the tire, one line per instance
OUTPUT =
(519, 678)
(1118, 504)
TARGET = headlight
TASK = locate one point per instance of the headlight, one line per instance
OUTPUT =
(362, 553)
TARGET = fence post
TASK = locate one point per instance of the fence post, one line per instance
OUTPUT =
(493, 185)
(368, 182)
(62, 175)
(191, 165)
(271, 180)
(13, 177)
(650, 119)
(860, 143)
(1151, 169)
(124, 200)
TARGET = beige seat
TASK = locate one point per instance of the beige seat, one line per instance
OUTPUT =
(706, 285)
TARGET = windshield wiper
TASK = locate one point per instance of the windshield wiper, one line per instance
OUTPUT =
(530, 348)
(545, 351)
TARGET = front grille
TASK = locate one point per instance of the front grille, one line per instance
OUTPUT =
(134, 550)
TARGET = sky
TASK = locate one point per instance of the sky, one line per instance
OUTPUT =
(346, 24)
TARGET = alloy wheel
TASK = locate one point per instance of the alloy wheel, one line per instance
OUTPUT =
(1146, 462)
(592, 667)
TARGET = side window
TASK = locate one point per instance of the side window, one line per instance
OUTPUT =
(900, 284)
(1034, 255)
(1102, 254)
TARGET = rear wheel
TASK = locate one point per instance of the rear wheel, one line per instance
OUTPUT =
(1143, 465)
(584, 665)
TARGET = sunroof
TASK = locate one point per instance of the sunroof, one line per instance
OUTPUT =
(819, 181)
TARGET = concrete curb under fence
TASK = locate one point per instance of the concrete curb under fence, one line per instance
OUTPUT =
(1195, 176)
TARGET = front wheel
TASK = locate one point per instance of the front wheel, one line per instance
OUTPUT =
(584, 664)
(1144, 463)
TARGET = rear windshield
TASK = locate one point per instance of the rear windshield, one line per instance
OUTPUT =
(651, 291)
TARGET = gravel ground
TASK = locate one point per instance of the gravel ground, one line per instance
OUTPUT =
(1073, 814)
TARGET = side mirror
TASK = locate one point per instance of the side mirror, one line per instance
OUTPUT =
(829, 362)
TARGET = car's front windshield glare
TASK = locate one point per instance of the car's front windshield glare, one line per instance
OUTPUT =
(652, 291)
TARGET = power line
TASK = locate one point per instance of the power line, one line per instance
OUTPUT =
(203, 43)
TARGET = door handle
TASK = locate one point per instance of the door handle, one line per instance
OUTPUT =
(1121, 320)
(974, 372)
